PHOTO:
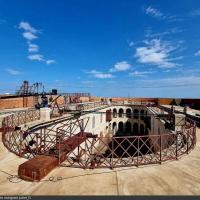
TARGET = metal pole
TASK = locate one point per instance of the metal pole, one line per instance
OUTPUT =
(20, 143)
(18, 119)
(160, 149)
(112, 153)
(176, 147)
(85, 153)
(138, 146)
(187, 142)
(59, 154)
(194, 134)
(36, 143)
(45, 140)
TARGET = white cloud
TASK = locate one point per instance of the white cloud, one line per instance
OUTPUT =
(195, 12)
(131, 44)
(173, 81)
(156, 52)
(154, 12)
(48, 62)
(37, 57)
(101, 75)
(140, 73)
(33, 47)
(197, 53)
(168, 70)
(13, 72)
(120, 66)
(27, 27)
(29, 36)
(151, 34)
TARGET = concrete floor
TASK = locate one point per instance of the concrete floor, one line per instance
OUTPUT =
(180, 177)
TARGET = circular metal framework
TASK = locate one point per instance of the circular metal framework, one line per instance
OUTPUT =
(73, 147)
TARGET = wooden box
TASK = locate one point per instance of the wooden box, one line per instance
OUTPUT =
(37, 168)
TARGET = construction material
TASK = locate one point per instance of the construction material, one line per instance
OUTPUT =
(37, 168)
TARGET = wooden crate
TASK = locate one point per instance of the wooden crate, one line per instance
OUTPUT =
(37, 168)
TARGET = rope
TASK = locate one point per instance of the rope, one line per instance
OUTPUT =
(12, 178)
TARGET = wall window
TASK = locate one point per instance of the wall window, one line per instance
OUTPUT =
(128, 128)
(142, 114)
(128, 113)
(114, 112)
(136, 113)
(121, 112)
(142, 129)
(121, 127)
(114, 125)
(135, 129)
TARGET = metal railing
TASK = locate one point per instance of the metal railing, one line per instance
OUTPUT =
(12, 135)
(63, 109)
(21, 117)
(112, 152)
(76, 148)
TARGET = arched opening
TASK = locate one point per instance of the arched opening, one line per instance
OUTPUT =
(128, 112)
(135, 129)
(120, 127)
(146, 131)
(142, 129)
(93, 122)
(128, 128)
(136, 113)
(114, 113)
(142, 114)
(114, 126)
(121, 112)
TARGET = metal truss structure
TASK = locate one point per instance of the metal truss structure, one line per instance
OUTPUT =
(69, 142)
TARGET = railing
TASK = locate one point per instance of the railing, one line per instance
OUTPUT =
(75, 148)
(77, 94)
(12, 135)
(112, 152)
(76, 107)
(21, 117)
(132, 103)
(193, 117)
(89, 105)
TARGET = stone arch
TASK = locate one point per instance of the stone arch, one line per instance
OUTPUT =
(135, 113)
(114, 113)
(146, 131)
(114, 125)
(142, 131)
(142, 114)
(128, 127)
(128, 113)
(121, 112)
(121, 127)
(135, 129)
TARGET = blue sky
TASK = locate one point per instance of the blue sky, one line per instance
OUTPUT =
(105, 47)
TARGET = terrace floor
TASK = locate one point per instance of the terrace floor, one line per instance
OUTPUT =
(180, 177)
